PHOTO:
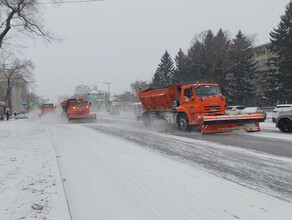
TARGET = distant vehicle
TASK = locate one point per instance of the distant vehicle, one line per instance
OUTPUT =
(138, 110)
(2, 107)
(254, 110)
(284, 121)
(280, 108)
(47, 107)
(234, 110)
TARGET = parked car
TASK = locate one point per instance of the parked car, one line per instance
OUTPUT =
(234, 110)
(284, 121)
(280, 108)
(254, 110)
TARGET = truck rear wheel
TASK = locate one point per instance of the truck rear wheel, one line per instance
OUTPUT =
(183, 122)
(285, 125)
(147, 119)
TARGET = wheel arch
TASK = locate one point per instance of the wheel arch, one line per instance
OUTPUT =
(183, 110)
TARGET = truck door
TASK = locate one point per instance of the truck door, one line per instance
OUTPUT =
(188, 99)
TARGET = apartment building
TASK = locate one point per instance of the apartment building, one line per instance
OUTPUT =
(19, 93)
(261, 56)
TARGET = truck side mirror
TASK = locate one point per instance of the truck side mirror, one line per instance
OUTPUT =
(89, 103)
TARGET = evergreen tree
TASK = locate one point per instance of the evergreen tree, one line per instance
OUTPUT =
(164, 73)
(181, 72)
(222, 61)
(281, 38)
(196, 59)
(243, 69)
(209, 57)
(273, 91)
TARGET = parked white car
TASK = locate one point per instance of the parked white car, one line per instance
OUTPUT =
(280, 108)
(234, 110)
(254, 110)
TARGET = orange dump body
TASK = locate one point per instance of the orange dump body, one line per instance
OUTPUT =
(161, 99)
(202, 104)
(45, 108)
(77, 109)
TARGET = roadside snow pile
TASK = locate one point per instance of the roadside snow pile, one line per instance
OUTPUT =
(30, 184)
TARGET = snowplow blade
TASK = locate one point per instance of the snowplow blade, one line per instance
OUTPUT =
(83, 119)
(229, 123)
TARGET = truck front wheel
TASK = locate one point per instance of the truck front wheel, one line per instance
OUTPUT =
(183, 122)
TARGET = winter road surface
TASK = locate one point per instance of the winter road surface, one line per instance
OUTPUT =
(117, 169)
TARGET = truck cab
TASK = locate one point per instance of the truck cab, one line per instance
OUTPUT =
(47, 107)
(77, 107)
(197, 100)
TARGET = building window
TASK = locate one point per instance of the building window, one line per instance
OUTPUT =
(261, 63)
(263, 75)
(261, 52)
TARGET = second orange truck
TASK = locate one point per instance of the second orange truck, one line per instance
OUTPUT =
(195, 105)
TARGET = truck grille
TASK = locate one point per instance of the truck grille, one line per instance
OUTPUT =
(215, 108)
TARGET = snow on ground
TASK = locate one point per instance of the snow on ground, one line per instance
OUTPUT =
(273, 132)
(107, 177)
(30, 183)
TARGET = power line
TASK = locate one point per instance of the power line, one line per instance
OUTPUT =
(71, 2)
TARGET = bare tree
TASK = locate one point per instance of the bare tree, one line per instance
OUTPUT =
(23, 17)
(15, 71)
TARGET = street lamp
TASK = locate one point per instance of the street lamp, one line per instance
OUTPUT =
(108, 92)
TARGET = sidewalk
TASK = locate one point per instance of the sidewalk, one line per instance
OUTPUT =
(30, 183)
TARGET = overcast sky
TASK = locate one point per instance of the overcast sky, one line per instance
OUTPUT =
(119, 41)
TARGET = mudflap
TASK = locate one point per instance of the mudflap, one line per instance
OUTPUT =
(228, 123)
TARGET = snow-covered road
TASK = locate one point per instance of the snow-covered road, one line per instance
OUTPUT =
(124, 172)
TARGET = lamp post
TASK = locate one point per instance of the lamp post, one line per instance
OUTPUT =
(108, 93)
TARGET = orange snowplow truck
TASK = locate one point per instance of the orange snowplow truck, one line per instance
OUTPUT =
(45, 108)
(195, 105)
(78, 109)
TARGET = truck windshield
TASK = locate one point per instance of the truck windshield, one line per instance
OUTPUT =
(79, 103)
(207, 90)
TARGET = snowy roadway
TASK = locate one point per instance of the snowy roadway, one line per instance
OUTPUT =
(117, 169)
